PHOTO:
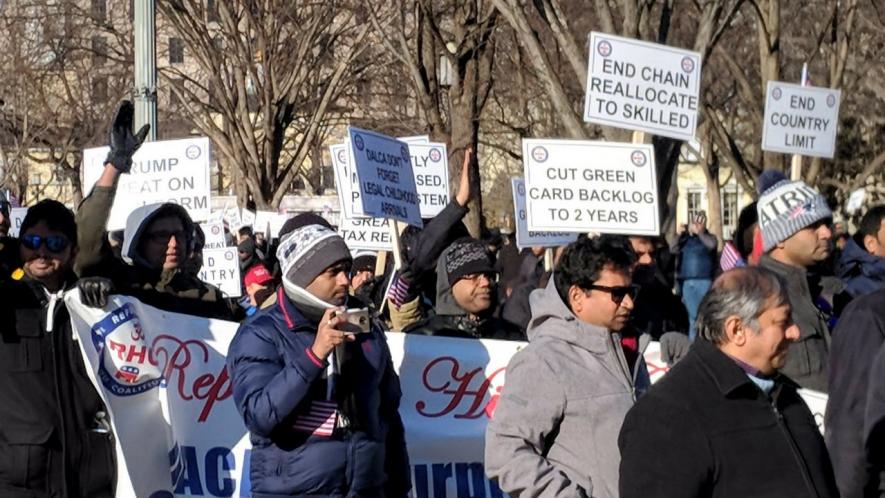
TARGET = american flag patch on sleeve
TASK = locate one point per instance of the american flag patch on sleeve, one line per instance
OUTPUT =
(319, 420)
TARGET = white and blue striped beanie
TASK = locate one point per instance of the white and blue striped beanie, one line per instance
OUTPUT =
(787, 207)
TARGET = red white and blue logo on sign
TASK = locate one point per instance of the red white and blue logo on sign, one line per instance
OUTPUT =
(604, 48)
(125, 365)
(358, 142)
(638, 158)
(341, 156)
(687, 64)
(192, 152)
(435, 155)
(539, 154)
(831, 100)
(776, 93)
(229, 255)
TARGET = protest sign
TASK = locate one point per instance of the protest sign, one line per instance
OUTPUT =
(277, 222)
(215, 216)
(430, 164)
(386, 180)
(232, 216)
(642, 86)
(582, 186)
(168, 171)
(164, 380)
(526, 237)
(247, 218)
(16, 217)
(801, 119)
(855, 200)
(346, 182)
(221, 268)
(214, 233)
(263, 221)
(371, 234)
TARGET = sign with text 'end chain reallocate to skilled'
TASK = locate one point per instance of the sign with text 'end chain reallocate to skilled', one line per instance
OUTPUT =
(386, 182)
(642, 86)
(585, 186)
(801, 119)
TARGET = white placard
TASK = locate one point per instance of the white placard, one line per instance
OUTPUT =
(430, 163)
(386, 181)
(168, 171)
(232, 216)
(855, 200)
(346, 182)
(372, 234)
(221, 268)
(247, 218)
(16, 217)
(583, 186)
(277, 222)
(214, 233)
(801, 119)
(642, 86)
(216, 216)
(263, 221)
(526, 237)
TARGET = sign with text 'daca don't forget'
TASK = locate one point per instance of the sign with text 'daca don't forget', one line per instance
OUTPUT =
(587, 186)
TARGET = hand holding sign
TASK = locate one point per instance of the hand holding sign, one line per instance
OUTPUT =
(463, 196)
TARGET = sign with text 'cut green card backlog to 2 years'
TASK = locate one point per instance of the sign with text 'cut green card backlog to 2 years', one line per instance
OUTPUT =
(587, 186)
(801, 119)
(642, 86)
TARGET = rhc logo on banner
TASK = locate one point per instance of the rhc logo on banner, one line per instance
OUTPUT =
(125, 367)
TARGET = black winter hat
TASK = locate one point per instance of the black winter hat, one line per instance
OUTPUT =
(467, 256)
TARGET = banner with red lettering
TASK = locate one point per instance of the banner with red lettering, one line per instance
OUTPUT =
(163, 378)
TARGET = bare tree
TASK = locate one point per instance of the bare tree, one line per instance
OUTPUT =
(264, 80)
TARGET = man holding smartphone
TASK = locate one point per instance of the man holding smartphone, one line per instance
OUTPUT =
(319, 396)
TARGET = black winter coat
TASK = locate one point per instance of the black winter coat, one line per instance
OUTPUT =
(55, 439)
(855, 416)
(465, 328)
(706, 430)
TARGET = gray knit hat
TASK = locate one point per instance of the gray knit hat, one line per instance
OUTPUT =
(307, 251)
(787, 207)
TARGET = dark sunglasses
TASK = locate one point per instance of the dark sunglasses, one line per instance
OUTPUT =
(618, 293)
(55, 243)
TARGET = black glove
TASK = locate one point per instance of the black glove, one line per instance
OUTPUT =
(94, 291)
(121, 140)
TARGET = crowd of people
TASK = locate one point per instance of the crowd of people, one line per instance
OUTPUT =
(781, 307)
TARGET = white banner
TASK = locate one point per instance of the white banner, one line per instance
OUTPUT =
(263, 222)
(16, 217)
(526, 237)
(642, 86)
(801, 119)
(247, 218)
(582, 186)
(221, 268)
(214, 233)
(386, 179)
(164, 379)
(168, 171)
(371, 234)
(430, 163)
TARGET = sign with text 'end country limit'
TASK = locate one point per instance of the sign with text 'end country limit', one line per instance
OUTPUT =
(386, 186)
(168, 171)
(801, 119)
(642, 86)
(584, 186)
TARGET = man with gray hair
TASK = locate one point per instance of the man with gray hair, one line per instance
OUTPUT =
(723, 421)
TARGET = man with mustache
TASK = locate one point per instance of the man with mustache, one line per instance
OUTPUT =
(319, 396)
(795, 223)
(554, 431)
(465, 296)
(724, 421)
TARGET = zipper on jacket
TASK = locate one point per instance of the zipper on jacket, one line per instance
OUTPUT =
(615, 343)
(793, 448)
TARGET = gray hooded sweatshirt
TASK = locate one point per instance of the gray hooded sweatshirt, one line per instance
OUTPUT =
(555, 429)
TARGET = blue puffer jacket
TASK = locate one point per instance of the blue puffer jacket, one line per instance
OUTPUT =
(860, 271)
(276, 380)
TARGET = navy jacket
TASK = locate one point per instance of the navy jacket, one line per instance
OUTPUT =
(860, 272)
(276, 380)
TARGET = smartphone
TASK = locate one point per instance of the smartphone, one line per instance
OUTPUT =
(357, 319)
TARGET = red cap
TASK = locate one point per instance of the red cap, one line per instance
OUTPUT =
(258, 274)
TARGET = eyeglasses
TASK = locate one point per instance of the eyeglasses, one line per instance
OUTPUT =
(474, 277)
(55, 243)
(618, 293)
(163, 236)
